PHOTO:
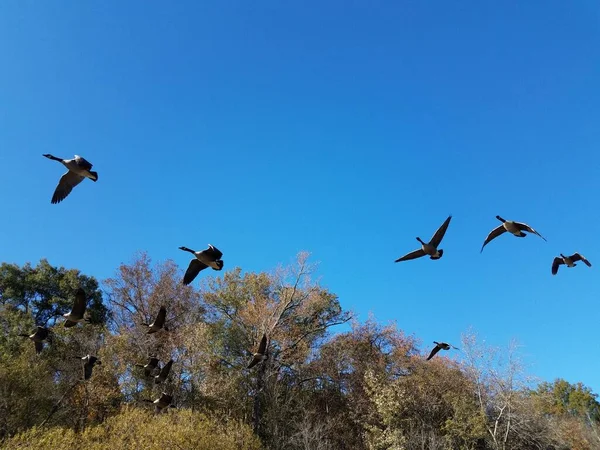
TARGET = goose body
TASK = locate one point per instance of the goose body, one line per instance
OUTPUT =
(568, 261)
(210, 257)
(163, 401)
(517, 229)
(159, 322)
(429, 248)
(78, 170)
(76, 315)
(440, 346)
(164, 373)
(150, 367)
(261, 354)
(38, 338)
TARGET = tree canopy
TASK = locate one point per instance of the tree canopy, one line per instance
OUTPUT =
(329, 381)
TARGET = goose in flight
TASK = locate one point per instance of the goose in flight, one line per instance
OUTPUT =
(261, 354)
(79, 168)
(210, 257)
(78, 310)
(150, 367)
(89, 363)
(440, 346)
(158, 323)
(164, 373)
(569, 261)
(41, 334)
(515, 228)
(163, 402)
(430, 248)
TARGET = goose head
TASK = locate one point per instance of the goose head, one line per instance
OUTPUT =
(500, 219)
(420, 240)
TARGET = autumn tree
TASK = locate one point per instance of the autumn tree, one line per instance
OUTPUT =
(295, 313)
(135, 295)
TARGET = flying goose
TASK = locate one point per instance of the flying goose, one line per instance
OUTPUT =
(211, 257)
(159, 322)
(261, 355)
(88, 365)
(38, 338)
(440, 346)
(164, 373)
(430, 248)
(515, 228)
(79, 169)
(569, 261)
(151, 367)
(163, 402)
(78, 310)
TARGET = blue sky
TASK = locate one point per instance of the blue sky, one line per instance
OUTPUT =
(343, 128)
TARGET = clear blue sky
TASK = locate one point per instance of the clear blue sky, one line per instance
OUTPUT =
(343, 128)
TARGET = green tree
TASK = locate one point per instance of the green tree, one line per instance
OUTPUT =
(46, 292)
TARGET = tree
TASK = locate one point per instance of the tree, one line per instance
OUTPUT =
(502, 395)
(31, 384)
(46, 292)
(295, 313)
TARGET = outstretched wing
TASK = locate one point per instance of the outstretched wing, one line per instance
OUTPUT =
(412, 255)
(193, 270)
(579, 257)
(557, 262)
(493, 235)
(439, 234)
(525, 227)
(262, 347)
(87, 370)
(161, 317)
(83, 163)
(66, 184)
(213, 252)
(79, 303)
(433, 352)
(254, 361)
(164, 372)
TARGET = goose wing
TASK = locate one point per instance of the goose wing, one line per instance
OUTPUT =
(79, 304)
(193, 270)
(493, 235)
(83, 163)
(557, 262)
(213, 252)
(66, 184)
(87, 370)
(254, 361)
(433, 352)
(525, 227)
(161, 317)
(164, 372)
(579, 257)
(412, 255)
(439, 234)
(70, 323)
(262, 347)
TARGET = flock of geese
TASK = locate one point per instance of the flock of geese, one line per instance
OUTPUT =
(78, 169)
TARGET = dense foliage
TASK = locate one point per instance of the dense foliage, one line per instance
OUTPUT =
(367, 387)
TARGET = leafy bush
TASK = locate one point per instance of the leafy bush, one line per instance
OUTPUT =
(142, 428)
